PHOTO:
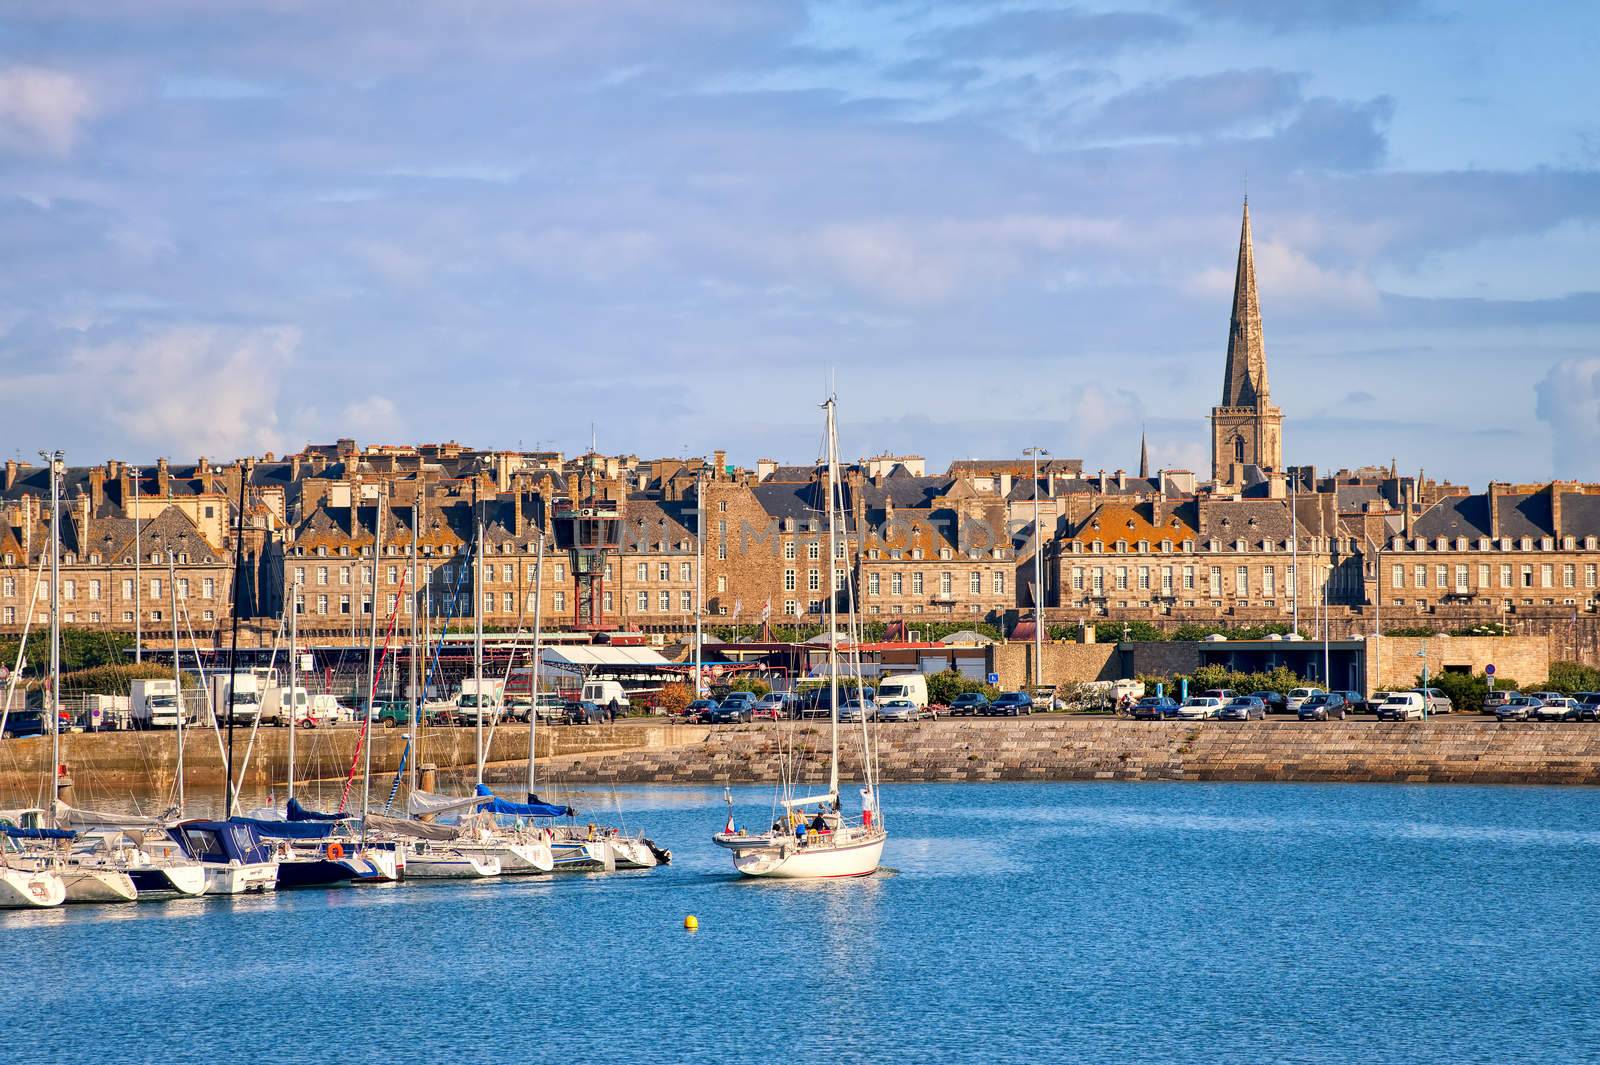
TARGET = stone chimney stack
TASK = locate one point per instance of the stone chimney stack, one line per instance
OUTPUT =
(1556, 490)
(97, 487)
(1405, 510)
(1494, 509)
(1122, 480)
(11, 474)
(719, 459)
(163, 478)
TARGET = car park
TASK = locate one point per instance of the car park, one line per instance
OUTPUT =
(1243, 708)
(1517, 707)
(1402, 706)
(968, 704)
(1155, 708)
(1324, 705)
(1009, 704)
(1200, 708)
(1297, 696)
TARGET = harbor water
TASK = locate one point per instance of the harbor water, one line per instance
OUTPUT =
(1015, 922)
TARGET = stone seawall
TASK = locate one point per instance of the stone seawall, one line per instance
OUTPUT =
(1473, 750)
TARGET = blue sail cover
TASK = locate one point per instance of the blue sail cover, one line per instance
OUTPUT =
(37, 833)
(221, 842)
(531, 808)
(296, 812)
(274, 829)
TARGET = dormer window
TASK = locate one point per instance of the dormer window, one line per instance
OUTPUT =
(1483, 543)
(94, 560)
(1166, 546)
(1144, 547)
(1122, 547)
(1238, 545)
(67, 560)
(1527, 543)
(1188, 545)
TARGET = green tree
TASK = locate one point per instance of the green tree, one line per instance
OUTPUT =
(1134, 631)
(1569, 677)
(944, 687)
(1466, 690)
(754, 685)
(1410, 630)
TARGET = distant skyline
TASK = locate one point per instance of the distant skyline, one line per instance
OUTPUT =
(232, 226)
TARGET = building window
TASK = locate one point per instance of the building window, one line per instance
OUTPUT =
(1589, 575)
(394, 574)
(788, 551)
(788, 580)
(1441, 577)
(791, 607)
(1188, 578)
(643, 602)
(127, 615)
(1483, 575)
(999, 582)
(322, 604)
(916, 583)
(947, 584)
(1122, 578)
(11, 615)
(664, 571)
(665, 601)
(1216, 580)
(1144, 578)
(1099, 580)
(685, 573)
(874, 584)
(686, 601)
(344, 604)
(344, 576)
(1461, 580)
(1241, 581)
(813, 551)
(394, 603)
(813, 580)
(69, 589)
(722, 583)
(127, 590)
(1569, 576)
(559, 601)
(1269, 580)
(1420, 576)
(1505, 576)
(1166, 580)
(897, 583)
(1527, 576)
(975, 581)
(94, 589)
(155, 588)
(722, 505)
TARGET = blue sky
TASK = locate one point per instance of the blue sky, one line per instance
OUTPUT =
(243, 225)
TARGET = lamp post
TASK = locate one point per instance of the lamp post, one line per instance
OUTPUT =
(1423, 654)
(1038, 573)
(138, 575)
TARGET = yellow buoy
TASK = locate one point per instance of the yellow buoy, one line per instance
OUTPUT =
(691, 922)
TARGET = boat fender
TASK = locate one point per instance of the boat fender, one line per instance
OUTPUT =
(335, 851)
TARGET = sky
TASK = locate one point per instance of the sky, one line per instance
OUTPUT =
(237, 226)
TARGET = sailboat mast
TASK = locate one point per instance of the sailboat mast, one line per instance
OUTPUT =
(833, 614)
(138, 579)
(294, 670)
(56, 460)
(538, 653)
(416, 608)
(233, 649)
(372, 665)
(477, 620)
(177, 674)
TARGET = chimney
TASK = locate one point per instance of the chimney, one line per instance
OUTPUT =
(97, 487)
(294, 468)
(1161, 484)
(163, 478)
(1122, 481)
(1005, 486)
(1555, 510)
(765, 468)
(11, 474)
(1405, 510)
(719, 459)
(1100, 478)
(1494, 509)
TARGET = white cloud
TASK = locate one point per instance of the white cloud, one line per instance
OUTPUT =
(372, 418)
(189, 389)
(41, 110)
(1569, 402)
(1288, 278)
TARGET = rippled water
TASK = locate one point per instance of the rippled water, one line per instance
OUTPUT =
(1051, 922)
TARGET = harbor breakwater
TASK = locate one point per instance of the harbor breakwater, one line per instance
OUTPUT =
(1443, 750)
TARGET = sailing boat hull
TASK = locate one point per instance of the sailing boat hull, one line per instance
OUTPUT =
(314, 872)
(447, 865)
(784, 860)
(98, 885)
(27, 889)
(516, 859)
(240, 879)
(185, 879)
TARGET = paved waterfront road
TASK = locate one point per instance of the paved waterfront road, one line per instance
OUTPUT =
(1152, 923)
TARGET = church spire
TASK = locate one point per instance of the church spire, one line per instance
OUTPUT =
(1144, 457)
(1245, 381)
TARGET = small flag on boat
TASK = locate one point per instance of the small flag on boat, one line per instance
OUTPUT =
(766, 612)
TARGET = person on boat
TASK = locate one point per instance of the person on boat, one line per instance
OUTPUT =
(819, 824)
(800, 831)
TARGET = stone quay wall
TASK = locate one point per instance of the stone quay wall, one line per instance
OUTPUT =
(1442, 750)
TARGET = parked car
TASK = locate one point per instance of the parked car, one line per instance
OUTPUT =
(1297, 696)
(1438, 701)
(393, 713)
(1496, 699)
(1554, 707)
(967, 704)
(1588, 705)
(1200, 708)
(1324, 705)
(775, 702)
(1155, 708)
(730, 711)
(856, 708)
(1401, 706)
(1275, 702)
(1244, 708)
(1355, 702)
(584, 712)
(1009, 704)
(695, 712)
(1227, 695)
(900, 710)
(23, 723)
(1517, 707)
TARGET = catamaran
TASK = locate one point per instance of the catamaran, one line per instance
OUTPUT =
(815, 839)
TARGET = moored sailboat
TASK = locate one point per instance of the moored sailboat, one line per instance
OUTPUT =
(815, 839)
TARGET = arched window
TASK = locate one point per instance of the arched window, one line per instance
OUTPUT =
(1238, 449)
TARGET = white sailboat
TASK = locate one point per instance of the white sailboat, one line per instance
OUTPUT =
(815, 839)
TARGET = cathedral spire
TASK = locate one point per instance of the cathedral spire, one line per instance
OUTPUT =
(1144, 457)
(1245, 381)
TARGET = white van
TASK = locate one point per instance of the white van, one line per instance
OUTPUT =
(1297, 696)
(601, 692)
(327, 710)
(912, 686)
(476, 697)
(244, 706)
(1402, 706)
(278, 702)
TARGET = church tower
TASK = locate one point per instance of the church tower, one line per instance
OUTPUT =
(1246, 429)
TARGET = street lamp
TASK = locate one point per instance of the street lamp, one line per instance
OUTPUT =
(1423, 654)
(1038, 573)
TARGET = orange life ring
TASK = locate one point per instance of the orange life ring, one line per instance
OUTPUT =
(335, 851)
